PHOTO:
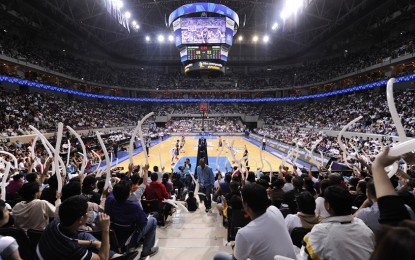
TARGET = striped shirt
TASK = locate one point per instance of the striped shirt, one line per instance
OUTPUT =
(57, 243)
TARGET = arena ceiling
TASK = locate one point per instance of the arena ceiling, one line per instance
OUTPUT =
(320, 25)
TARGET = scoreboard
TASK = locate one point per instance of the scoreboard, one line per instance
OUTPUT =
(203, 52)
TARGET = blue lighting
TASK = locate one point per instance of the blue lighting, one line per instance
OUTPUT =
(196, 100)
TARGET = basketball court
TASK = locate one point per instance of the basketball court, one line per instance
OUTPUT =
(160, 154)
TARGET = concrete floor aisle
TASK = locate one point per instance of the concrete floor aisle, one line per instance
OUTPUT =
(191, 236)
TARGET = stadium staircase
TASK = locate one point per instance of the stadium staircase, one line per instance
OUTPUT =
(191, 236)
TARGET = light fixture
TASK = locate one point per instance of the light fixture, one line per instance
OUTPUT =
(255, 38)
(136, 26)
(240, 38)
(160, 38)
(291, 7)
(171, 38)
(119, 3)
(148, 38)
(266, 38)
(134, 23)
(275, 26)
(127, 15)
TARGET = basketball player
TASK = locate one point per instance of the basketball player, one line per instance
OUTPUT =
(220, 144)
(182, 142)
(177, 151)
(245, 155)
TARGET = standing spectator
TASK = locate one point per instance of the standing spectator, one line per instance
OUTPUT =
(264, 143)
(206, 179)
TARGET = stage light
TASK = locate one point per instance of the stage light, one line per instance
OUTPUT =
(291, 7)
(171, 38)
(160, 38)
(148, 38)
(240, 38)
(127, 15)
(255, 38)
(266, 38)
(118, 3)
(275, 26)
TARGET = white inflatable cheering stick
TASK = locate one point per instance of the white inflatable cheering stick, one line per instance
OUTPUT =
(130, 152)
(3, 181)
(340, 142)
(50, 150)
(405, 145)
(57, 157)
(140, 132)
(78, 137)
(16, 165)
(107, 160)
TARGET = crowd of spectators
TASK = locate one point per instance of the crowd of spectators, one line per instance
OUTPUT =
(334, 113)
(156, 78)
(45, 111)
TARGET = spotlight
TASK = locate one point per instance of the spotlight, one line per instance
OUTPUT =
(127, 15)
(240, 38)
(148, 38)
(136, 26)
(275, 26)
(160, 38)
(118, 3)
(171, 38)
(266, 38)
(255, 38)
(134, 23)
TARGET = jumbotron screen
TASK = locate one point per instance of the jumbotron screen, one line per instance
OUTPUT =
(200, 30)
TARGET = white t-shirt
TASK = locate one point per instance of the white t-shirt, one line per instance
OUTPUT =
(33, 215)
(320, 209)
(264, 237)
(292, 221)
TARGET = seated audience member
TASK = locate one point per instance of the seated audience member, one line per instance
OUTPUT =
(340, 236)
(88, 187)
(276, 193)
(369, 211)
(49, 193)
(305, 217)
(167, 183)
(61, 239)
(138, 187)
(156, 190)
(129, 220)
(232, 199)
(73, 188)
(258, 239)
(15, 184)
(289, 197)
(288, 185)
(32, 213)
(360, 194)
(320, 208)
(191, 202)
(9, 249)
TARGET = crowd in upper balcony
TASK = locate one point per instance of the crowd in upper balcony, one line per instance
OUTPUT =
(69, 62)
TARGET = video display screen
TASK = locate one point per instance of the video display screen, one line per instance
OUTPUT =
(203, 30)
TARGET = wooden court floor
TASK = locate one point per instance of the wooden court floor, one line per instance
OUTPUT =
(160, 154)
